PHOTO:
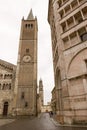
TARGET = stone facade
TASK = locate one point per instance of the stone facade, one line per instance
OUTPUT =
(7, 85)
(26, 73)
(18, 84)
(68, 23)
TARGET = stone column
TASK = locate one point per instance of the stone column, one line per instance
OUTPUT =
(85, 86)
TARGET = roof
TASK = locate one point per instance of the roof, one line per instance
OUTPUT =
(30, 16)
(7, 65)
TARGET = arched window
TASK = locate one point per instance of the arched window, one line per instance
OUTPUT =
(10, 86)
(5, 109)
(5, 76)
(27, 50)
(3, 88)
(31, 25)
(26, 104)
(6, 87)
(26, 25)
(22, 95)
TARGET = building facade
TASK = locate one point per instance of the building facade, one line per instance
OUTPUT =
(18, 84)
(7, 85)
(68, 23)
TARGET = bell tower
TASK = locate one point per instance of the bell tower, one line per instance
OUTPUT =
(26, 74)
(41, 94)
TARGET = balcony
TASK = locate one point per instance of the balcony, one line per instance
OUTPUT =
(73, 29)
(71, 12)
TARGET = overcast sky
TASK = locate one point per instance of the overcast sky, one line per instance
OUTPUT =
(11, 13)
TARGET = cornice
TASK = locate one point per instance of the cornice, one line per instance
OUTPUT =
(7, 65)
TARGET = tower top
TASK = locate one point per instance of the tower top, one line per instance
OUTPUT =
(30, 16)
(40, 85)
(40, 80)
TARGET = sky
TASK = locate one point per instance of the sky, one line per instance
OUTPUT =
(11, 13)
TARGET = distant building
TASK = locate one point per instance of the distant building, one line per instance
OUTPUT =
(40, 100)
(38, 104)
(41, 92)
(68, 23)
(46, 108)
(18, 84)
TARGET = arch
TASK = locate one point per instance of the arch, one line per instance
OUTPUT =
(73, 58)
(11, 76)
(6, 86)
(5, 108)
(3, 88)
(5, 76)
(9, 85)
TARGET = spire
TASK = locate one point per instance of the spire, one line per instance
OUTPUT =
(30, 16)
(40, 80)
(40, 84)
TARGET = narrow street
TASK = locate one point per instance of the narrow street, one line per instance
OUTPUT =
(43, 122)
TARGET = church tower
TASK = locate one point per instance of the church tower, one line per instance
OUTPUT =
(41, 94)
(26, 74)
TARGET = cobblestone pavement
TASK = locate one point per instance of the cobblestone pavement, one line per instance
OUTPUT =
(43, 122)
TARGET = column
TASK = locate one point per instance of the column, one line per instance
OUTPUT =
(85, 86)
(74, 20)
(82, 14)
(79, 40)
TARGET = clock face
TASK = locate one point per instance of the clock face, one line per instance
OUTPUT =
(27, 58)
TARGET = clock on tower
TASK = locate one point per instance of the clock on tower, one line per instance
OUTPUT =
(26, 58)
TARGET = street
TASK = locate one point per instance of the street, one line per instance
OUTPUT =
(43, 122)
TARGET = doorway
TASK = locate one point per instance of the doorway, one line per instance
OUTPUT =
(5, 109)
